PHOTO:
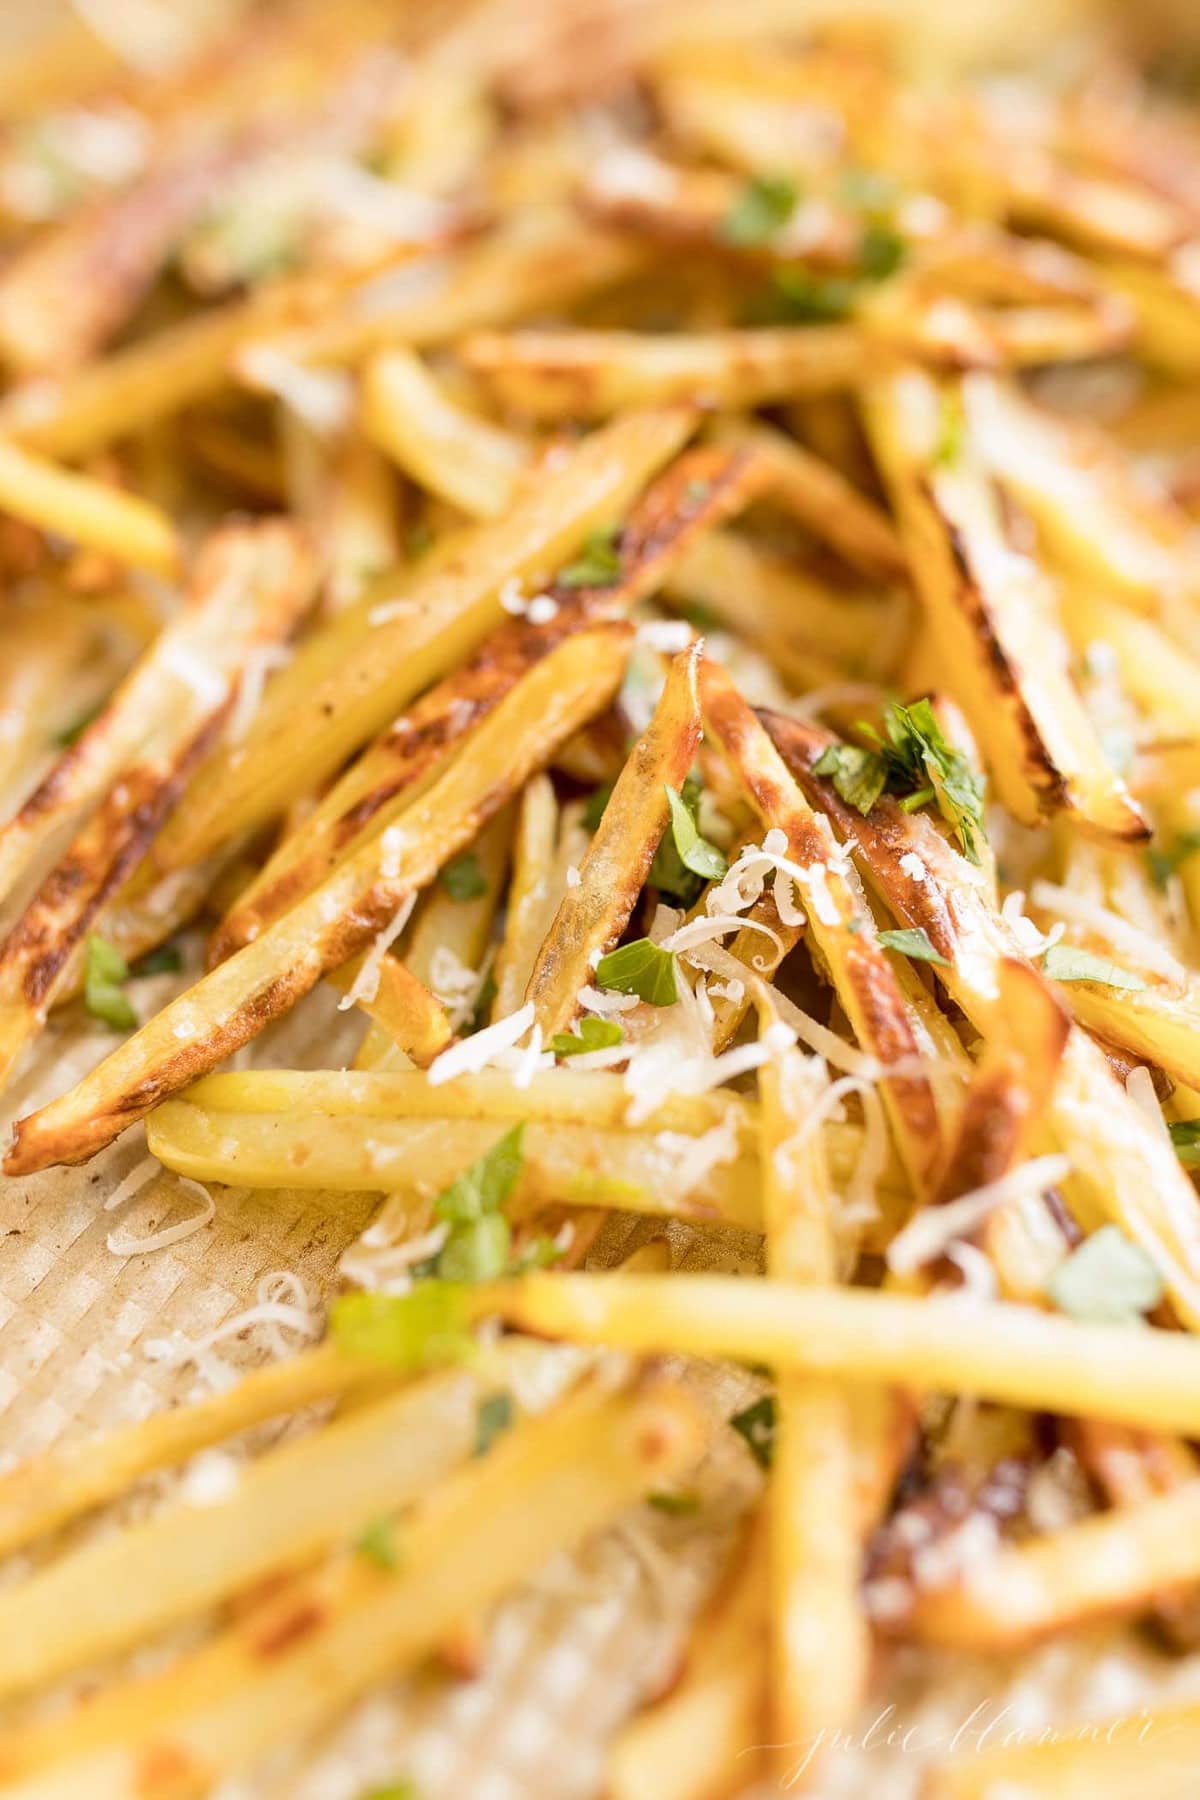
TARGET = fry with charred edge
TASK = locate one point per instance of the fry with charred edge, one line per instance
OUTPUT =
(90, 513)
(592, 915)
(700, 486)
(465, 459)
(820, 498)
(72, 1478)
(233, 1003)
(1009, 1096)
(839, 920)
(1015, 1354)
(569, 1164)
(1122, 1166)
(295, 1661)
(249, 588)
(697, 1740)
(991, 617)
(1075, 1759)
(1112, 1563)
(591, 374)
(352, 678)
(819, 1641)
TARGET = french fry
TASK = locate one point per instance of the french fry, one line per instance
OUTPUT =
(353, 677)
(590, 375)
(234, 1002)
(534, 891)
(461, 926)
(592, 914)
(821, 499)
(89, 512)
(1122, 1168)
(573, 1164)
(295, 1662)
(839, 921)
(249, 589)
(1012, 1354)
(698, 487)
(467, 460)
(413, 1017)
(1116, 1562)
(698, 1740)
(991, 619)
(72, 1478)
(818, 1631)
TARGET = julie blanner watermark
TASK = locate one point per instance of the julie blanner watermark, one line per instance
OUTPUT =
(989, 1726)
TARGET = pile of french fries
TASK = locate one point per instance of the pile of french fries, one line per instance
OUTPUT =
(655, 550)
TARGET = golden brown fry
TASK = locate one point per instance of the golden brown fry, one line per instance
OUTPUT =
(592, 915)
(1122, 1167)
(592, 374)
(990, 613)
(234, 1002)
(91, 513)
(355, 676)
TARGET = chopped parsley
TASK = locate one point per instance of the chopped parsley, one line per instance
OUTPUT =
(913, 943)
(676, 1506)
(1108, 1278)
(685, 860)
(881, 251)
(1185, 1135)
(1064, 962)
(756, 1424)
(72, 733)
(462, 878)
(859, 776)
(802, 298)
(1168, 861)
(495, 1415)
(593, 1034)
(105, 969)
(598, 563)
(378, 1544)
(480, 1241)
(762, 208)
(914, 761)
(404, 1789)
(640, 968)
(167, 959)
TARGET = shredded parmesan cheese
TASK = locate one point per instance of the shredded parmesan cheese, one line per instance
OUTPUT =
(474, 1053)
(1144, 950)
(927, 1235)
(365, 985)
(125, 1244)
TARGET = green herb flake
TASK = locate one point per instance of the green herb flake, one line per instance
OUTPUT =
(757, 1425)
(640, 968)
(418, 1330)
(1185, 1135)
(913, 943)
(676, 1506)
(859, 776)
(72, 734)
(404, 1789)
(807, 299)
(463, 879)
(917, 755)
(1064, 962)
(695, 852)
(952, 429)
(1108, 1278)
(761, 209)
(881, 251)
(598, 563)
(378, 1544)
(104, 971)
(593, 1034)
(167, 959)
(540, 1252)
(484, 1186)
(478, 1251)
(496, 1415)
(1165, 862)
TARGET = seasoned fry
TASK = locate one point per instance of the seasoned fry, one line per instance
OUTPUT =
(592, 914)
(94, 515)
(234, 1002)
